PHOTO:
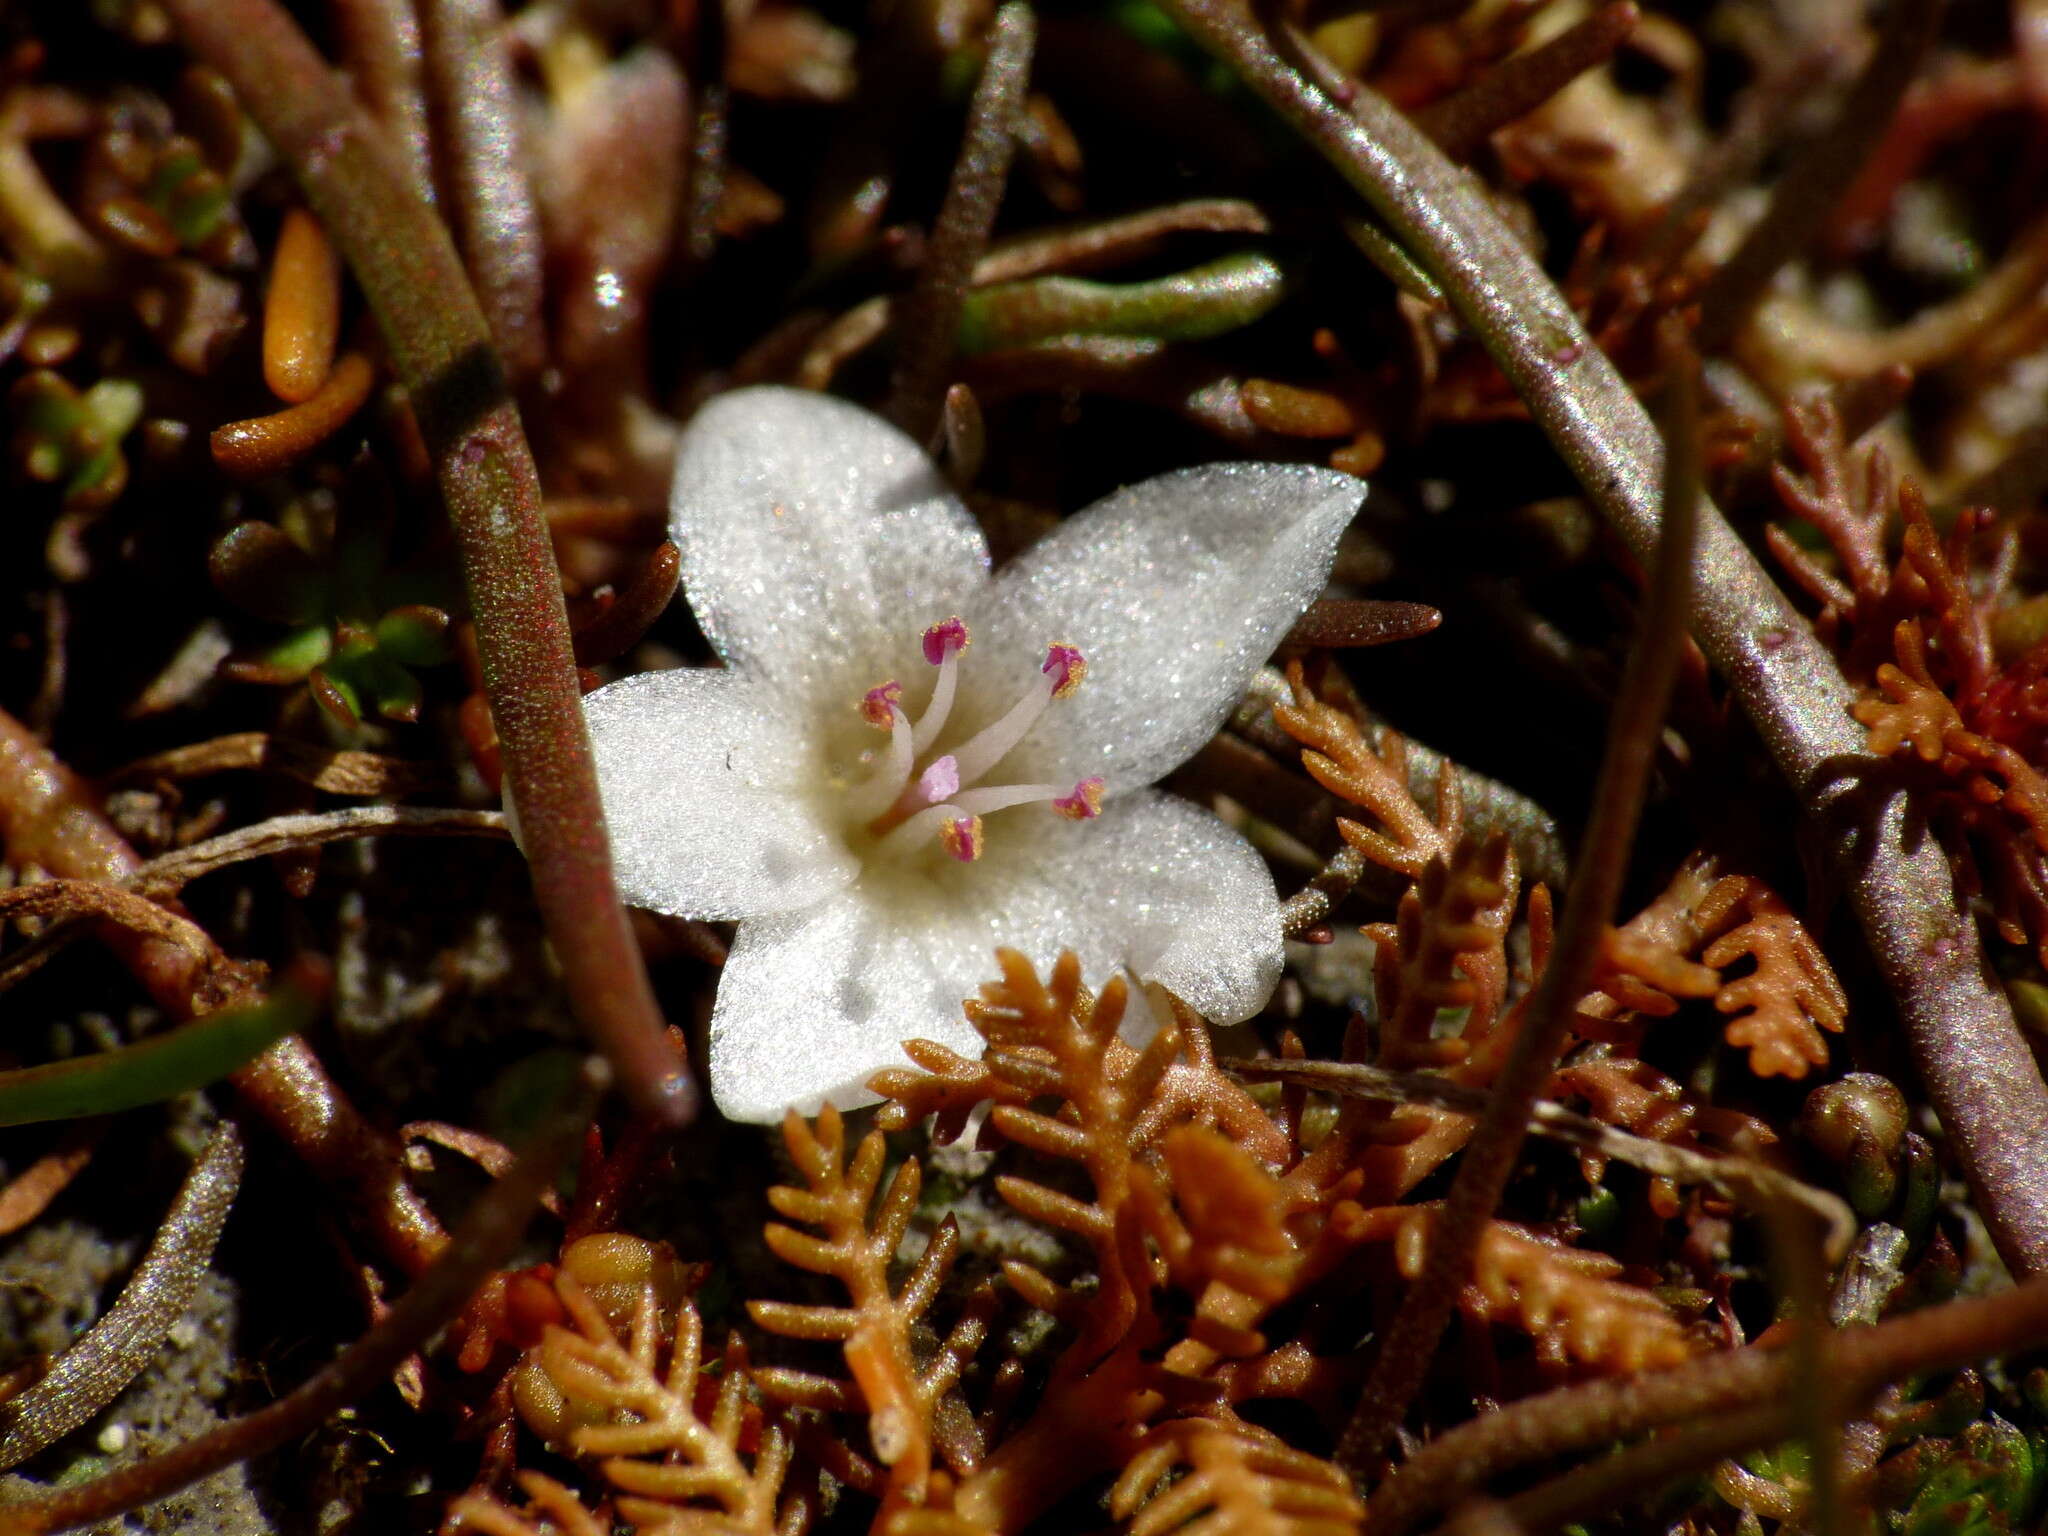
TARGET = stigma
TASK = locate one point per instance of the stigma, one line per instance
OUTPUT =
(914, 796)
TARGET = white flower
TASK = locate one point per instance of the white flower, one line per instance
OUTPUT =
(901, 767)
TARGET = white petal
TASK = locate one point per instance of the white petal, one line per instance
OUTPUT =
(707, 795)
(1176, 591)
(1184, 900)
(818, 541)
(813, 1004)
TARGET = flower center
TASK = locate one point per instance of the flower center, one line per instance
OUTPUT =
(914, 796)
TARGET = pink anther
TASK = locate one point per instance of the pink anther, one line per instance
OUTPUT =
(945, 640)
(1084, 804)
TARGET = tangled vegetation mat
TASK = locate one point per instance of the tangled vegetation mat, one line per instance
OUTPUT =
(1478, 968)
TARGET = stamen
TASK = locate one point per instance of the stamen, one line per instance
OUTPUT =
(880, 706)
(945, 640)
(1066, 666)
(1062, 673)
(933, 821)
(904, 807)
(1084, 804)
(962, 838)
(869, 800)
(943, 643)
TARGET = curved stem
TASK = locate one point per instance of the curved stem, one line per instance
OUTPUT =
(931, 313)
(481, 1243)
(405, 262)
(1411, 1339)
(1579, 1418)
(94, 1371)
(1978, 1070)
(49, 817)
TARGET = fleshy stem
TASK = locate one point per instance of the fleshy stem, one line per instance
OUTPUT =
(1978, 1070)
(407, 266)
(470, 74)
(381, 53)
(1411, 1339)
(481, 1243)
(930, 316)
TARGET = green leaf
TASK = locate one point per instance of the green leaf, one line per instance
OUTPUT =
(188, 1057)
(1194, 305)
(262, 570)
(1985, 1488)
(416, 635)
(336, 696)
(299, 652)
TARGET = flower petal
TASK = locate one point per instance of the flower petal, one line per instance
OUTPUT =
(706, 795)
(814, 1003)
(1183, 899)
(817, 540)
(1176, 591)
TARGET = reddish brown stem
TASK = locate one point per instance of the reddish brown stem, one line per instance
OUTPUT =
(1411, 1339)
(380, 49)
(406, 265)
(930, 315)
(482, 1243)
(48, 817)
(1978, 1070)
(490, 202)
(1553, 1424)
(1517, 86)
(1807, 193)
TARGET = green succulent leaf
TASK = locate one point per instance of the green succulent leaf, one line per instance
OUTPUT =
(1987, 1486)
(1194, 305)
(262, 570)
(297, 653)
(416, 635)
(336, 695)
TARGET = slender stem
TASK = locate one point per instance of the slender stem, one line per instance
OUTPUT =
(95, 1370)
(481, 1243)
(930, 315)
(1978, 1070)
(1516, 86)
(1557, 1423)
(48, 815)
(1411, 1339)
(380, 50)
(496, 220)
(1807, 193)
(170, 872)
(1608, 1484)
(406, 264)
